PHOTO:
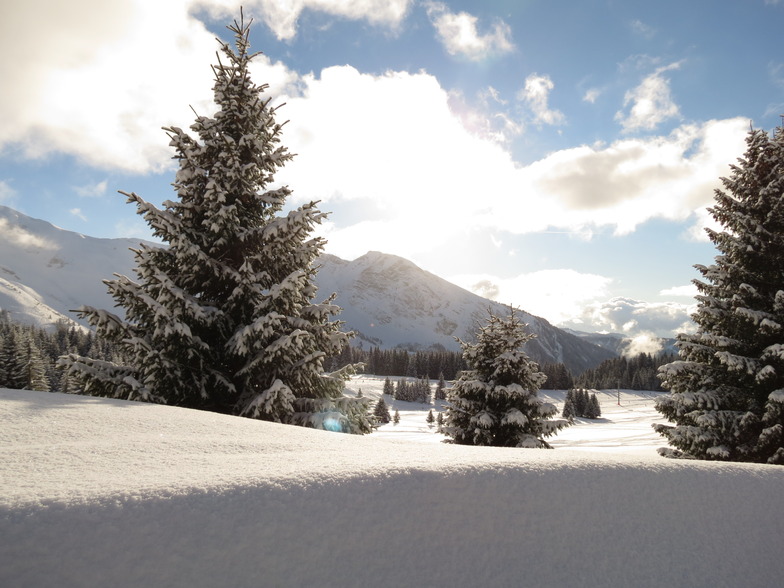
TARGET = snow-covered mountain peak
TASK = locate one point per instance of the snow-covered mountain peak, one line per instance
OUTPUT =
(47, 272)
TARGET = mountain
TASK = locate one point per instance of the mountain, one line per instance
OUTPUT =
(388, 302)
(46, 272)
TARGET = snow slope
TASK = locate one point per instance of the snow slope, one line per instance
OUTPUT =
(99, 492)
(46, 272)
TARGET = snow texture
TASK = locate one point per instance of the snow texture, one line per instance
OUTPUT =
(103, 492)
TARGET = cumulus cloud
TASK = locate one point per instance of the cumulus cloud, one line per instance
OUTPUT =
(630, 181)
(536, 95)
(97, 85)
(282, 17)
(102, 78)
(643, 343)
(556, 295)
(406, 149)
(459, 34)
(650, 103)
(634, 317)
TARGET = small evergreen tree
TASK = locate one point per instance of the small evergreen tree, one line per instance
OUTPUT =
(440, 421)
(726, 398)
(223, 317)
(396, 418)
(568, 410)
(381, 412)
(430, 418)
(389, 387)
(580, 399)
(495, 402)
(440, 388)
(593, 410)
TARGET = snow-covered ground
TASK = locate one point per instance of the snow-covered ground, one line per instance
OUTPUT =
(99, 492)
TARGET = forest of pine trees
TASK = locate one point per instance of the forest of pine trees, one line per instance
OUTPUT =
(640, 372)
(29, 354)
(578, 403)
(400, 362)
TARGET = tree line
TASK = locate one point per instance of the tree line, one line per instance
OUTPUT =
(640, 372)
(29, 354)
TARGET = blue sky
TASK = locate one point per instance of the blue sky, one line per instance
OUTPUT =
(558, 156)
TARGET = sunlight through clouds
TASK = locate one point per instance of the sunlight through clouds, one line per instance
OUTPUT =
(558, 294)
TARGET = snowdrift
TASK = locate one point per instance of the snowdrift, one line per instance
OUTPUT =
(99, 492)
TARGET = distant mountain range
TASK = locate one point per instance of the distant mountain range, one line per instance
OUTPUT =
(45, 272)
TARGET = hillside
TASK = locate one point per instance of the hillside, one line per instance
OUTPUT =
(45, 272)
(100, 492)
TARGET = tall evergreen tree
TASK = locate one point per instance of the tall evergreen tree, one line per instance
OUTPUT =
(495, 402)
(223, 318)
(727, 389)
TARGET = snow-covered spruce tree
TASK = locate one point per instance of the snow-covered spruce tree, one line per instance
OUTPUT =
(381, 412)
(727, 388)
(495, 401)
(222, 318)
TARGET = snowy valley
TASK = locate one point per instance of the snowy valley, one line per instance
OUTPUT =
(100, 492)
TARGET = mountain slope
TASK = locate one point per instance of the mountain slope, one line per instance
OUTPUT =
(388, 301)
(46, 272)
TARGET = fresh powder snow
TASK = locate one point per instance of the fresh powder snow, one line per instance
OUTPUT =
(101, 492)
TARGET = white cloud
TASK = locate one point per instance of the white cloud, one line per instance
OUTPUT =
(642, 29)
(688, 291)
(20, 236)
(630, 181)
(92, 190)
(388, 145)
(77, 212)
(591, 95)
(383, 145)
(634, 317)
(644, 342)
(536, 95)
(460, 36)
(488, 118)
(102, 78)
(556, 295)
(7, 193)
(650, 103)
(282, 16)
